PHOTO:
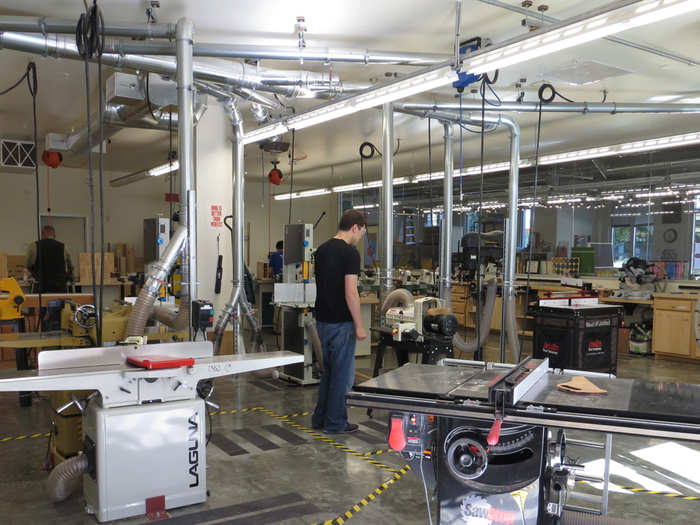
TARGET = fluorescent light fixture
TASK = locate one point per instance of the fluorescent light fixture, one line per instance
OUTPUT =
(366, 206)
(301, 194)
(585, 28)
(372, 184)
(564, 201)
(413, 84)
(163, 169)
(636, 214)
(652, 194)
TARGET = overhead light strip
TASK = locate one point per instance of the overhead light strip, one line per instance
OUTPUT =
(407, 86)
(585, 28)
(557, 158)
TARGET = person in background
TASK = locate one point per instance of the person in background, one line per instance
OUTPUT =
(339, 322)
(56, 266)
(277, 261)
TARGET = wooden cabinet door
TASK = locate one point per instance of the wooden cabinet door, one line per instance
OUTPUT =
(673, 332)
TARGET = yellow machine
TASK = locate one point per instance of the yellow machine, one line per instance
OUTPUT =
(11, 300)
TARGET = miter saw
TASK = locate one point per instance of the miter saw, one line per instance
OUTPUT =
(637, 280)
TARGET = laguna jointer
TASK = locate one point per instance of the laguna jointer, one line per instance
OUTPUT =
(143, 419)
(492, 438)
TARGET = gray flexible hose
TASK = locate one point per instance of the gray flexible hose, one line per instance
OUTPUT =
(64, 478)
(224, 318)
(310, 325)
(399, 297)
(143, 308)
(257, 337)
(484, 324)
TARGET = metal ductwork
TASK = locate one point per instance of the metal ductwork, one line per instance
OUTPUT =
(44, 25)
(512, 229)
(237, 74)
(386, 214)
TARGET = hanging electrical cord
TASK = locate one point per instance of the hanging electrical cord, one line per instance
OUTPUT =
(553, 93)
(89, 37)
(33, 85)
(461, 150)
(291, 177)
(487, 82)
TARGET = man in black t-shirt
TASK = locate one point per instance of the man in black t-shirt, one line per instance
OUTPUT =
(338, 321)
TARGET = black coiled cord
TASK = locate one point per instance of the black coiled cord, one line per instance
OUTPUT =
(89, 32)
(553, 93)
(89, 40)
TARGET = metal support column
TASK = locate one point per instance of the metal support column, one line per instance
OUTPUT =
(188, 199)
(386, 210)
(446, 231)
(238, 212)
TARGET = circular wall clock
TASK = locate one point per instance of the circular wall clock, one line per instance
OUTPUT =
(670, 235)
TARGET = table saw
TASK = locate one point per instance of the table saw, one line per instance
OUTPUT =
(482, 433)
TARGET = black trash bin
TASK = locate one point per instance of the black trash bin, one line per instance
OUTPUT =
(578, 337)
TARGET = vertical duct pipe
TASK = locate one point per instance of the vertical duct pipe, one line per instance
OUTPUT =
(188, 202)
(386, 219)
(511, 241)
(446, 232)
(238, 218)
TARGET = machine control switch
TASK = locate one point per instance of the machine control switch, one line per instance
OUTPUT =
(397, 439)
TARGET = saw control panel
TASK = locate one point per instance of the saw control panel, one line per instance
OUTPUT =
(411, 432)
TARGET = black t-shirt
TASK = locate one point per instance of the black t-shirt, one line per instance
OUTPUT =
(334, 260)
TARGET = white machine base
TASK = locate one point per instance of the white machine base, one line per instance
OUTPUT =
(167, 457)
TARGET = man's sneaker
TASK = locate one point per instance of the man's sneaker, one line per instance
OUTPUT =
(317, 427)
(350, 427)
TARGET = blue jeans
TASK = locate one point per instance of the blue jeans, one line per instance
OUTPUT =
(338, 342)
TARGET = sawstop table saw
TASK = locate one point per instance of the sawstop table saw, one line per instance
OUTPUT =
(483, 433)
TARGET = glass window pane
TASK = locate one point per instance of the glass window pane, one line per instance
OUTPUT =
(644, 241)
(623, 241)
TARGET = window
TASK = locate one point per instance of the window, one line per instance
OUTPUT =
(695, 254)
(632, 241)
(524, 230)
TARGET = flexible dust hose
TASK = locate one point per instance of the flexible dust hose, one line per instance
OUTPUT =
(399, 297)
(143, 308)
(257, 337)
(484, 324)
(512, 329)
(164, 313)
(64, 478)
(224, 318)
(310, 325)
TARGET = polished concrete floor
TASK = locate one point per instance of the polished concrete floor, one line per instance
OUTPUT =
(266, 469)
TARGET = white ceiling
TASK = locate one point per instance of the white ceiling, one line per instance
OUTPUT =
(405, 25)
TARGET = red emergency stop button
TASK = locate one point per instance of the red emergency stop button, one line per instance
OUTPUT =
(397, 439)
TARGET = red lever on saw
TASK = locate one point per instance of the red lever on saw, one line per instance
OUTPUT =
(494, 433)
(397, 439)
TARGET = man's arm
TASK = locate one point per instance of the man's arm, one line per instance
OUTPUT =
(352, 298)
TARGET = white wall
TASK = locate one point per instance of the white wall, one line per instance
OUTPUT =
(125, 207)
(267, 222)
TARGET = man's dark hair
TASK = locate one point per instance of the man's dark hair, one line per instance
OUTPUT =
(48, 231)
(349, 219)
(279, 245)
